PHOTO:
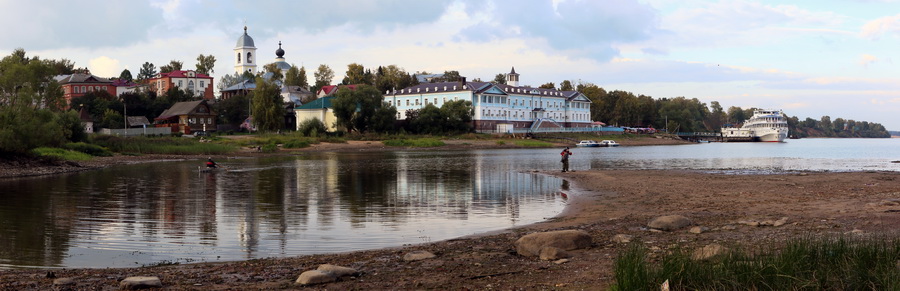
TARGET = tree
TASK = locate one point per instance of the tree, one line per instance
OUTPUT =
(61, 66)
(303, 81)
(717, 117)
(354, 109)
(293, 77)
(499, 79)
(233, 110)
(450, 76)
(458, 116)
(267, 105)
(174, 65)
(323, 76)
(276, 72)
(205, 64)
(126, 75)
(736, 115)
(566, 85)
(548, 85)
(429, 120)
(148, 70)
(356, 74)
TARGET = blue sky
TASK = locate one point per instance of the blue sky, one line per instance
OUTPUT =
(809, 58)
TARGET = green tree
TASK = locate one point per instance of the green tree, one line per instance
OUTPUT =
(499, 79)
(354, 109)
(312, 127)
(357, 74)
(548, 85)
(323, 76)
(148, 70)
(566, 85)
(276, 72)
(458, 116)
(126, 75)
(736, 115)
(717, 117)
(385, 119)
(293, 78)
(267, 105)
(205, 64)
(430, 120)
(174, 65)
(233, 110)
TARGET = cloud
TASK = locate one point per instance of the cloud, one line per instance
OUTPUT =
(588, 29)
(104, 66)
(876, 28)
(838, 84)
(36, 25)
(867, 59)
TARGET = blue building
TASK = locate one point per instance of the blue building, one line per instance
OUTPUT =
(500, 107)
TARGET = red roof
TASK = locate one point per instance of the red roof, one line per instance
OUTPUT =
(182, 74)
(331, 89)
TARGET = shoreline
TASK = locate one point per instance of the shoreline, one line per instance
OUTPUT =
(604, 203)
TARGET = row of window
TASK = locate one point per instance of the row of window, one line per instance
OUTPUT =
(200, 120)
(249, 58)
(85, 89)
(521, 114)
(487, 99)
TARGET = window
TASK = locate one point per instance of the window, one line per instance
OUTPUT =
(407, 102)
(76, 89)
(190, 85)
(249, 58)
(202, 85)
(435, 100)
(239, 58)
(180, 84)
(104, 88)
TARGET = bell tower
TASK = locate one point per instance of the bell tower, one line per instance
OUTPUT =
(245, 54)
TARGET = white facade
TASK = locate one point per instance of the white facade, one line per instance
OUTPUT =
(245, 54)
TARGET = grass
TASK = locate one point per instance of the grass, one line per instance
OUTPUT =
(801, 264)
(533, 143)
(62, 154)
(417, 142)
(162, 145)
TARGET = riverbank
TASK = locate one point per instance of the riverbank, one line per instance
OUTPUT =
(731, 210)
(22, 167)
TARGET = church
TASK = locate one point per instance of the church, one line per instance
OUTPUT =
(246, 60)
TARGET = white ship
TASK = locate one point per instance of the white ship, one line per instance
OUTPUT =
(764, 125)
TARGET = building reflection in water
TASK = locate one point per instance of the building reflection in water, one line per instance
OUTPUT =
(314, 203)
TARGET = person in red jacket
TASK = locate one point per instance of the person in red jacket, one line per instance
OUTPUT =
(565, 159)
(211, 164)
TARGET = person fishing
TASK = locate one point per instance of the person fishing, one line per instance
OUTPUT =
(565, 159)
(211, 164)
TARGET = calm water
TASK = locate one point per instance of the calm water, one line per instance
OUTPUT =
(146, 214)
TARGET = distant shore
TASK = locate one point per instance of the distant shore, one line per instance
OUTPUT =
(25, 168)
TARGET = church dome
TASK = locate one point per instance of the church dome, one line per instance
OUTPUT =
(245, 40)
(279, 52)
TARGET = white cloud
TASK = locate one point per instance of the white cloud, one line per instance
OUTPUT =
(867, 59)
(105, 66)
(876, 28)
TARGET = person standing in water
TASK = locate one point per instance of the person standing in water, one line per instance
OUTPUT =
(565, 159)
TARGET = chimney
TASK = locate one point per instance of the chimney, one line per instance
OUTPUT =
(462, 81)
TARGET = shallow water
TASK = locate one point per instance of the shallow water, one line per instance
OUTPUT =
(146, 214)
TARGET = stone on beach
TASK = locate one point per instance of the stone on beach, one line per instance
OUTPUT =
(531, 245)
(63, 281)
(708, 251)
(418, 256)
(622, 238)
(698, 229)
(338, 271)
(553, 253)
(140, 282)
(315, 277)
(669, 222)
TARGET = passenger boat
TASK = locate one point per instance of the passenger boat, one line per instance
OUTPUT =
(588, 143)
(764, 125)
(609, 143)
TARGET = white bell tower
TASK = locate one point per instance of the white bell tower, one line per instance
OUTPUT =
(245, 54)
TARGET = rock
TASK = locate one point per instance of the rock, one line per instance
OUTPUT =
(856, 231)
(889, 202)
(698, 229)
(418, 256)
(561, 261)
(753, 223)
(553, 253)
(780, 222)
(669, 222)
(729, 227)
(622, 238)
(567, 240)
(767, 223)
(63, 281)
(315, 277)
(140, 282)
(338, 271)
(708, 251)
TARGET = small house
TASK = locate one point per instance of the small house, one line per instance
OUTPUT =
(188, 117)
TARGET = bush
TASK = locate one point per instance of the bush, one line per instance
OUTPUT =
(419, 142)
(293, 144)
(87, 148)
(269, 148)
(312, 127)
(62, 154)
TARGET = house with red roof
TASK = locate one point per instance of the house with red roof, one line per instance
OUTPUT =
(188, 81)
(330, 90)
(78, 84)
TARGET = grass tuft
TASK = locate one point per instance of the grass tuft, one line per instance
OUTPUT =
(62, 154)
(801, 264)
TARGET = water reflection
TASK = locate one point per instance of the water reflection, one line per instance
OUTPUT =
(330, 202)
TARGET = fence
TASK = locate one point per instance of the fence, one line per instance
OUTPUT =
(137, 131)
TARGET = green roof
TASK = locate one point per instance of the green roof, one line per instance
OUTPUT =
(324, 102)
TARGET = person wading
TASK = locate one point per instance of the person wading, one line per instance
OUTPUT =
(565, 159)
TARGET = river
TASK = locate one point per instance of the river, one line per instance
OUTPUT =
(169, 212)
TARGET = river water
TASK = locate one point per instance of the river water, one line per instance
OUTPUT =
(167, 212)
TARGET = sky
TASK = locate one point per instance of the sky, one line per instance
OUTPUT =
(809, 58)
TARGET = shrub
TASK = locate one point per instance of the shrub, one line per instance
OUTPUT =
(87, 148)
(312, 127)
(62, 154)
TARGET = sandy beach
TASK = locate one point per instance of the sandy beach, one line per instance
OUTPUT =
(732, 210)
